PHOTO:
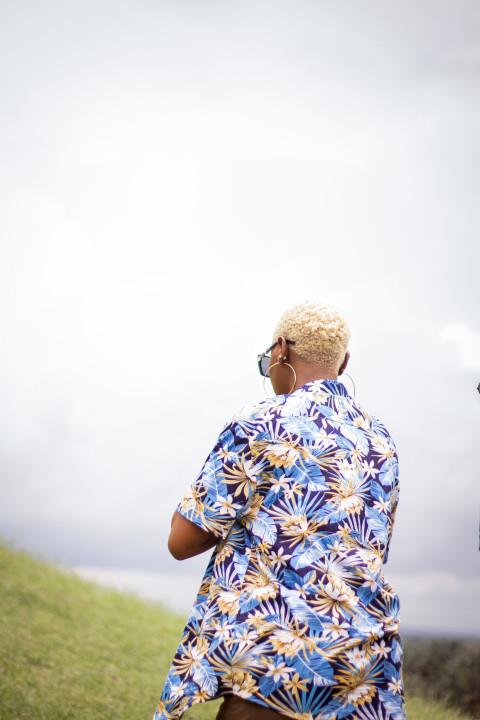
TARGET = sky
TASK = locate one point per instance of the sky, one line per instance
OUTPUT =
(174, 175)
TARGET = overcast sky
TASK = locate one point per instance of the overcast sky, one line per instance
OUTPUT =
(173, 176)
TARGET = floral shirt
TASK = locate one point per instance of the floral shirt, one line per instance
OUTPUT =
(294, 612)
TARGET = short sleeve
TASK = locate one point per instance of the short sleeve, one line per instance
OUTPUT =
(224, 486)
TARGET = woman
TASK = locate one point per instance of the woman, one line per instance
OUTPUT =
(294, 618)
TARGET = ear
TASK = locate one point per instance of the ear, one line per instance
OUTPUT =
(344, 363)
(283, 346)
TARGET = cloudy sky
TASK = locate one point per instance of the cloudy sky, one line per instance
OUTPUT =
(173, 176)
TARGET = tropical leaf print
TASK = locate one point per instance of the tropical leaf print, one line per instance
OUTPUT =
(294, 612)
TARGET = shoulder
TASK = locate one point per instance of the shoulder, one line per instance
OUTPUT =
(370, 426)
(257, 411)
(365, 420)
(243, 426)
(381, 433)
(254, 417)
(249, 418)
(382, 443)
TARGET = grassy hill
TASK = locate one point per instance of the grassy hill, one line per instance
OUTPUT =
(72, 650)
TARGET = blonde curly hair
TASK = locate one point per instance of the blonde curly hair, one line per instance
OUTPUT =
(320, 331)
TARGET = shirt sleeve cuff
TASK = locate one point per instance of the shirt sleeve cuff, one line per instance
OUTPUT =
(213, 527)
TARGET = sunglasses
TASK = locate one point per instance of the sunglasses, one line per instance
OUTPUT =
(264, 358)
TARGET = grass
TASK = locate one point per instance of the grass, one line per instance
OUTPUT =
(420, 709)
(446, 668)
(72, 650)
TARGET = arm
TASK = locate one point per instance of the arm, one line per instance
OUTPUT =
(187, 539)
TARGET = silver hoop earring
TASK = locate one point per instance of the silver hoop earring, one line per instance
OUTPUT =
(294, 377)
(351, 380)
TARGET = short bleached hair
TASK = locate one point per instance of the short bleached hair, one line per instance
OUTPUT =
(320, 331)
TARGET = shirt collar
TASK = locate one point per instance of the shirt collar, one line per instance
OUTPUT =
(332, 387)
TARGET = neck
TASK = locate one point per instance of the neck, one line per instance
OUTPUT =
(306, 372)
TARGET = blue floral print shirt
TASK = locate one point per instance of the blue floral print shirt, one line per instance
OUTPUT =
(294, 612)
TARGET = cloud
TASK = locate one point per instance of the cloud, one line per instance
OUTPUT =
(438, 602)
(169, 195)
(467, 342)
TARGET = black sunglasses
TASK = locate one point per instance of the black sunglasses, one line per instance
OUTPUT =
(264, 358)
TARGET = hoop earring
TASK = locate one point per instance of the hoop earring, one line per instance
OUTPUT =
(294, 378)
(351, 380)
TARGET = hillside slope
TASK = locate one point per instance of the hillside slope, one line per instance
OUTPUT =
(71, 650)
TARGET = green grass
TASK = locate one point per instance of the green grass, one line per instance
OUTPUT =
(421, 709)
(72, 650)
